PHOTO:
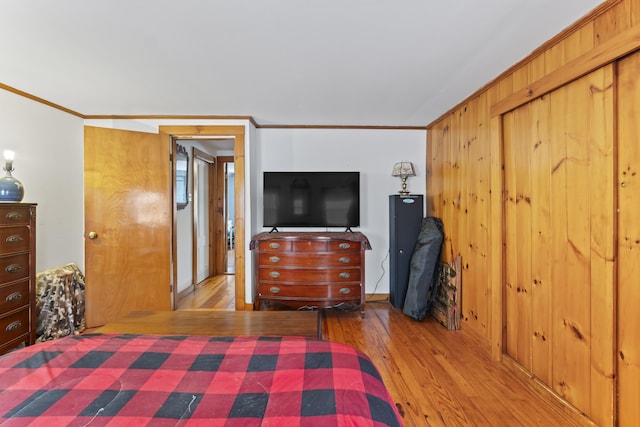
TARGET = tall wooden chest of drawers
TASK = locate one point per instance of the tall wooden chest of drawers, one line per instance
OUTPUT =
(310, 269)
(17, 274)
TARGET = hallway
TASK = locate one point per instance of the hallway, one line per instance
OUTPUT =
(215, 293)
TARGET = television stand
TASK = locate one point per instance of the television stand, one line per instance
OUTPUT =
(273, 230)
(310, 270)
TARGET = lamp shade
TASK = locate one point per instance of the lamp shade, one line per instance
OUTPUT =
(403, 169)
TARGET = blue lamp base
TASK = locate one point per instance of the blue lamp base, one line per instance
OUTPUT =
(11, 190)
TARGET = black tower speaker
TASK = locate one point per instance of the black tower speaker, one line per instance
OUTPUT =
(405, 221)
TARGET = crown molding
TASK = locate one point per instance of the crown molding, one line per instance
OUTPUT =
(196, 117)
(40, 100)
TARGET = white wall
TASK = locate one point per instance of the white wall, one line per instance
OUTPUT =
(372, 153)
(184, 230)
(49, 146)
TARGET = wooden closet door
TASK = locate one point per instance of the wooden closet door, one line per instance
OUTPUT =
(559, 241)
(628, 187)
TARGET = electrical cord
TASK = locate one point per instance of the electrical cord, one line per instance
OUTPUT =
(375, 288)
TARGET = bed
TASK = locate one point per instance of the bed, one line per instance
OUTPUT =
(165, 380)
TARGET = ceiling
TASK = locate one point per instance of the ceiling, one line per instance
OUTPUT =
(283, 62)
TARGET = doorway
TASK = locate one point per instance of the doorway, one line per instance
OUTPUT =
(205, 230)
(215, 134)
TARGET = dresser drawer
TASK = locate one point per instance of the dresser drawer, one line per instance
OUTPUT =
(14, 267)
(311, 292)
(311, 260)
(14, 325)
(14, 239)
(310, 245)
(14, 296)
(14, 215)
(309, 275)
(275, 245)
(344, 246)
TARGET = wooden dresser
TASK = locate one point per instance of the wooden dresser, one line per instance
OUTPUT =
(310, 269)
(17, 274)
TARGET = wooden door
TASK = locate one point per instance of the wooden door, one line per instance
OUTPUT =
(128, 205)
(559, 241)
(628, 188)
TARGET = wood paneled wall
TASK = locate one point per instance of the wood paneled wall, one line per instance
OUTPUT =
(559, 302)
(628, 233)
(459, 191)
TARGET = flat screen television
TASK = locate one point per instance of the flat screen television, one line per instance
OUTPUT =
(311, 199)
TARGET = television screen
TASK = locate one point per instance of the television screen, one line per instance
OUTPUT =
(311, 199)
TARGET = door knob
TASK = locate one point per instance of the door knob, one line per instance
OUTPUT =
(93, 235)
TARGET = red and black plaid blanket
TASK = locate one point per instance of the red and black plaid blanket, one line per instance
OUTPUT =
(119, 380)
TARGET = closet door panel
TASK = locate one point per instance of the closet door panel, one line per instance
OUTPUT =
(559, 241)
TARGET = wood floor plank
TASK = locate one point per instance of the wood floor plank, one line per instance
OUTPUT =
(216, 293)
(436, 377)
(215, 323)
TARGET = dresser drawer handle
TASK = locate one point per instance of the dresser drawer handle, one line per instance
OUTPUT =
(13, 268)
(14, 238)
(344, 260)
(274, 290)
(344, 245)
(13, 326)
(345, 275)
(274, 245)
(13, 216)
(345, 291)
(274, 259)
(274, 274)
(16, 296)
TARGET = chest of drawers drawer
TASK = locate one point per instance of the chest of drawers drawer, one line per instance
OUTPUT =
(14, 296)
(15, 215)
(279, 245)
(14, 239)
(14, 325)
(309, 275)
(324, 245)
(14, 267)
(336, 292)
(310, 260)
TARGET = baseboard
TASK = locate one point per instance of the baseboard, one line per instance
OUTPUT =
(542, 389)
(376, 297)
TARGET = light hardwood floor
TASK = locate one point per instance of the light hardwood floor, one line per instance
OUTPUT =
(216, 293)
(437, 377)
